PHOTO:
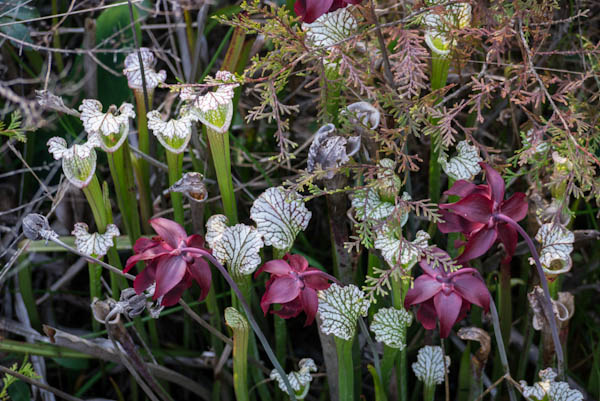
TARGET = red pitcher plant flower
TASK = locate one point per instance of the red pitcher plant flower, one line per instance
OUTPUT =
(446, 296)
(477, 215)
(310, 10)
(293, 285)
(170, 262)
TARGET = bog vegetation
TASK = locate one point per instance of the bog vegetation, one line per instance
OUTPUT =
(311, 199)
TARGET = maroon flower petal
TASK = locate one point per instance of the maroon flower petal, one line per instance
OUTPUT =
(310, 304)
(173, 296)
(495, 181)
(463, 311)
(144, 243)
(315, 281)
(145, 278)
(424, 288)
(475, 208)
(296, 262)
(461, 188)
(310, 10)
(427, 268)
(426, 315)
(447, 308)
(453, 223)
(200, 272)
(150, 253)
(195, 241)
(278, 267)
(289, 309)
(473, 290)
(281, 290)
(509, 237)
(169, 272)
(478, 244)
(515, 207)
(171, 232)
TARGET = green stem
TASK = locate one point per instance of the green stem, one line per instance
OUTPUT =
(26, 289)
(345, 369)
(144, 169)
(95, 272)
(95, 198)
(279, 323)
(121, 170)
(175, 163)
(504, 299)
(219, 148)
(379, 388)
(428, 391)
(439, 74)
(399, 289)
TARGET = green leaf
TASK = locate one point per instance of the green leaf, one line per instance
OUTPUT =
(111, 21)
(379, 390)
(19, 391)
(72, 363)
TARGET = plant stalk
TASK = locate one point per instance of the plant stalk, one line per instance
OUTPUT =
(345, 369)
(547, 304)
(219, 148)
(143, 169)
(175, 163)
(121, 170)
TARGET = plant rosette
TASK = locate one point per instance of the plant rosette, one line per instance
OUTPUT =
(111, 127)
(78, 161)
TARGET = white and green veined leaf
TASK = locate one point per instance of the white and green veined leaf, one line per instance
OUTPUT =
(279, 216)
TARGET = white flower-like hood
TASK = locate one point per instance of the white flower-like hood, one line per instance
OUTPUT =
(95, 244)
(340, 308)
(111, 127)
(78, 161)
(133, 71)
(173, 134)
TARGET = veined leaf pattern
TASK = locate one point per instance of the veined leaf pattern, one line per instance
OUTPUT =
(279, 216)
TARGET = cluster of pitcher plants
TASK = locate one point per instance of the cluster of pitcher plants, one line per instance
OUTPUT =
(387, 246)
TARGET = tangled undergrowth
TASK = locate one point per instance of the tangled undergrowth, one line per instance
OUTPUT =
(310, 199)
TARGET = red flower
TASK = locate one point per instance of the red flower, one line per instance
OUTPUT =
(294, 285)
(168, 264)
(310, 10)
(446, 296)
(475, 215)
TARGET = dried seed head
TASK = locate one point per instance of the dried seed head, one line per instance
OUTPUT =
(329, 151)
(133, 303)
(363, 113)
(192, 186)
(36, 226)
(50, 101)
